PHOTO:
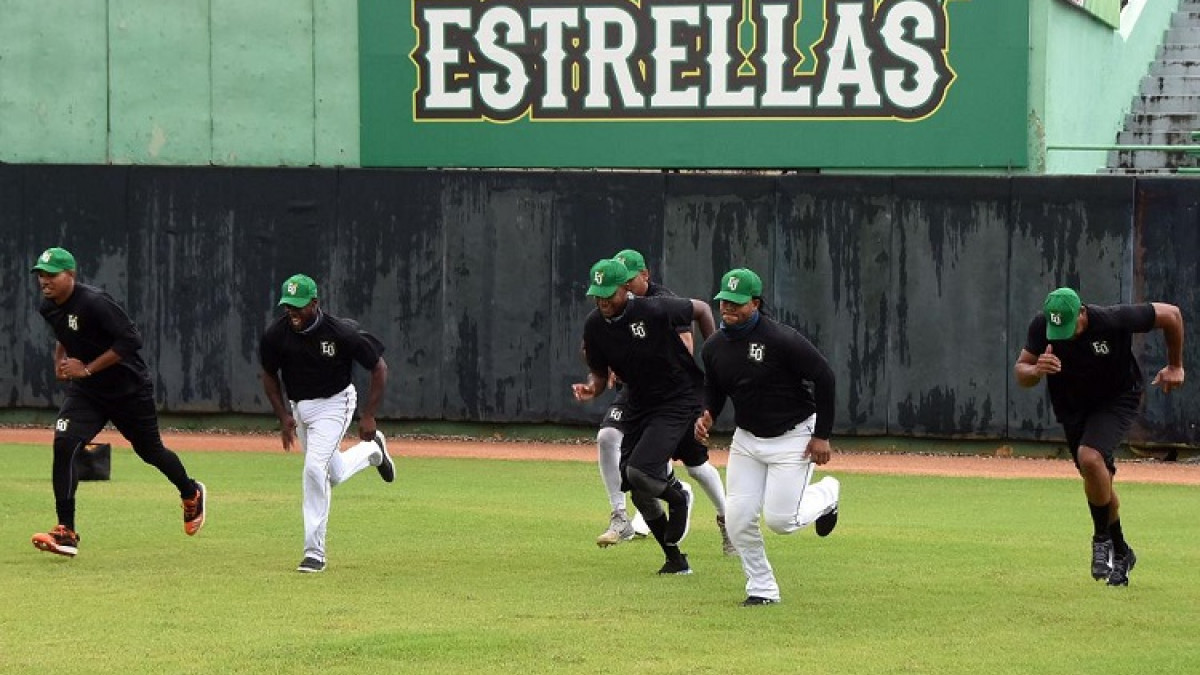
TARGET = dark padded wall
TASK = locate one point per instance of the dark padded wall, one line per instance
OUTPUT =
(1166, 248)
(595, 216)
(1070, 231)
(832, 281)
(390, 260)
(919, 290)
(948, 358)
(713, 224)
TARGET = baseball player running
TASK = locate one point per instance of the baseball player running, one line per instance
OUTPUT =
(313, 353)
(608, 439)
(637, 339)
(783, 428)
(96, 353)
(1084, 352)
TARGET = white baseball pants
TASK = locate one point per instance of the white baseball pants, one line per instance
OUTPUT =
(320, 425)
(769, 476)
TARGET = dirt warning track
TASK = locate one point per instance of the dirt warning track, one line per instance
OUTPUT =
(1135, 471)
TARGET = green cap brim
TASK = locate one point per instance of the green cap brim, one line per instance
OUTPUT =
(603, 291)
(47, 268)
(736, 298)
(298, 303)
(1064, 332)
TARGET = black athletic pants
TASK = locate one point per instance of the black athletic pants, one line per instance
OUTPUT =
(82, 416)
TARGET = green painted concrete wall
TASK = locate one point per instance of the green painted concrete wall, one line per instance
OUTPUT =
(225, 82)
(275, 82)
(1083, 77)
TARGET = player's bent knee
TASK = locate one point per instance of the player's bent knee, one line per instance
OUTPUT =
(609, 440)
(781, 523)
(644, 482)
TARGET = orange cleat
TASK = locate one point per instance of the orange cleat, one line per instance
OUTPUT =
(193, 510)
(60, 541)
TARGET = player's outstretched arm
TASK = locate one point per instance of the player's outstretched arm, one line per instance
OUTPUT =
(1169, 320)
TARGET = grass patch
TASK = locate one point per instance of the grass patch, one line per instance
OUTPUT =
(467, 566)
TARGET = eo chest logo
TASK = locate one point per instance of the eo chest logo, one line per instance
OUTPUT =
(500, 60)
(1100, 348)
(328, 348)
(758, 351)
(638, 329)
(73, 322)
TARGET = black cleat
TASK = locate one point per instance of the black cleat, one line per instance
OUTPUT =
(311, 565)
(679, 566)
(1102, 555)
(1121, 566)
(387, 468)
(825, 524)
(758, 601)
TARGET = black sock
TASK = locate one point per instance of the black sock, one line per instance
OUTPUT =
(1099, 521)
(65, 510)
(1118, 538)
(658, 528)
(673, 554)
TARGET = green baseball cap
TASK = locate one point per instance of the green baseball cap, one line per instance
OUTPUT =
(632, 260)
(54, 260)
(298, 291)
(607, 277)
(740, 286)
(1062, 313)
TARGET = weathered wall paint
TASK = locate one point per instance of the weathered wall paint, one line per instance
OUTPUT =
(919, 290)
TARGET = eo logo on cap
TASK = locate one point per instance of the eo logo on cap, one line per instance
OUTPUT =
(607, 276)
(1062, 313)
(740, 286)
(54, 260)
(298, 291)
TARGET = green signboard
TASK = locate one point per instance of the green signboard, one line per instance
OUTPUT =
(694, 83)
(1108, 11)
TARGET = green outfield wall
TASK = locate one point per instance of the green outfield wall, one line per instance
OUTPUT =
(947, 86)
(227, 82)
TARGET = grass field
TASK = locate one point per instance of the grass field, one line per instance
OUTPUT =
(474, 566)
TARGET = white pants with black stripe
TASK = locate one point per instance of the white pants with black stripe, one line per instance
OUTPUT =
(320, 425)
(769, 476)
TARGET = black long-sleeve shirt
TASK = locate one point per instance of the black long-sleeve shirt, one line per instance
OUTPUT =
(775, 377)
(90, 323)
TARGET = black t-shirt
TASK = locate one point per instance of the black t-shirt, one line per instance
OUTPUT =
(643, 348)
(774, 375)
(90, 323)
(1098, 365)
(316, 363)
(654, 290)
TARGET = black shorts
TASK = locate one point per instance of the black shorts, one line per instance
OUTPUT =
(657, 438)
(617, 415)
(81, 417)
(1103, 427)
